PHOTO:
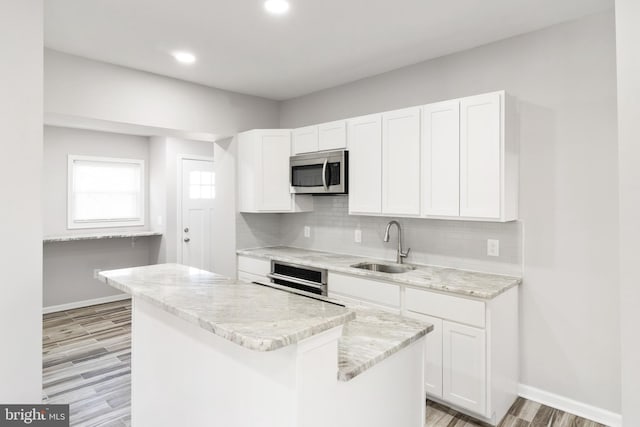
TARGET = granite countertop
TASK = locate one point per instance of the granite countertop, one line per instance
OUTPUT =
(100, 236)
(371, 337)
(468, 283)
(256, 317)
(269, 317)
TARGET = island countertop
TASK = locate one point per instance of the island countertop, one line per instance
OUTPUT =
(256, 317)
(269, 317)
(450, 280)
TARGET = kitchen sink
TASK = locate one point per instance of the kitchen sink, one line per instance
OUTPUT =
(384, 268)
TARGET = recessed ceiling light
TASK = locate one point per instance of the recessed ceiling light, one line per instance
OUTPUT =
(184, 57)
(277, 7)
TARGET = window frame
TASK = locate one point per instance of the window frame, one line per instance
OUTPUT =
(73, 224)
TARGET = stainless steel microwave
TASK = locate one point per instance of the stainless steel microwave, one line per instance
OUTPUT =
(324, 172)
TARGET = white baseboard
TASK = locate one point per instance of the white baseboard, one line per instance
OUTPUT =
(571, 406)
(85, 303)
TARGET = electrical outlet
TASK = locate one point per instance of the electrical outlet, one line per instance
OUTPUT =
(357, 236)
(307, 231)
(95, 272)
(493, 247)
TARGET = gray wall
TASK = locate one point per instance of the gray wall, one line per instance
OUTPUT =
(627, 35)
(21, 208)
(460, 244)
(59, 143)
(85, 88)
(68, 266)
(564, 78)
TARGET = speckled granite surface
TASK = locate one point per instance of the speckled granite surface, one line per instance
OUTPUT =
(256, 317)
(99, 236)
(267, 318)
(468, 283)
(371, 337)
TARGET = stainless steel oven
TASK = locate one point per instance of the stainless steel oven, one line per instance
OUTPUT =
(319, 173)
(309, 279)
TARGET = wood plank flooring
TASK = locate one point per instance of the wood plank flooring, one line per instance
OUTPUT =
(87, 363)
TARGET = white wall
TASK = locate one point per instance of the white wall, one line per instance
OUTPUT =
(68, 266)
(627, 37)
(564, 78)
(21, 208)
(81, 87)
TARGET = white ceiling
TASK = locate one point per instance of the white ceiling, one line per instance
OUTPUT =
(319, 44)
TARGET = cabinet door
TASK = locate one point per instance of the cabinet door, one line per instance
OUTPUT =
(480, 163)
(275, 149)
(365, 164)
(401, 162)
(464, 366)
(441, 159)
(432, 356)
(332, 136)
(305, 140)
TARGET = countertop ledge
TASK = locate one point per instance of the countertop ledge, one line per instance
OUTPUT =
(100, 236)
(450, 280)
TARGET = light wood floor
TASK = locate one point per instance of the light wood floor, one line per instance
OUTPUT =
(87, 363)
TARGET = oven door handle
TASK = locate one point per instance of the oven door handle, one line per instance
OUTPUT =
(303, 282)
(324, 175)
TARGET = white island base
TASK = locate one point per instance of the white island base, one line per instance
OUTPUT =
(184, 375)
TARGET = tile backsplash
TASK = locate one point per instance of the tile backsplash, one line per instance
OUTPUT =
(460, 244)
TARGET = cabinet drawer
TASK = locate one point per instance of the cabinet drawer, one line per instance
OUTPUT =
(365, 290)
(460, 310)
(260, 267)
(250, 277)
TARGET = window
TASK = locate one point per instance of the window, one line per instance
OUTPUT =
(202, 185)
(105, 192)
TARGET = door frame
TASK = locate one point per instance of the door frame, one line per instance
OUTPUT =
(179, 187)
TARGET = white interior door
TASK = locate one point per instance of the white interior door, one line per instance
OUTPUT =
(198, 193)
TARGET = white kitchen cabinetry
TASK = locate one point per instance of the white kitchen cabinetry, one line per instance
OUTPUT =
(401, 162)
(471, 356)
(263, 173)
(365, 164)
(441, 159)
(470, 159)
(332, 135)
(253, 269)
(383, 295)
(305, 140)
(464, 380)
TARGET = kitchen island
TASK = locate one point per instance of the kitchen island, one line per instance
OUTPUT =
(213, 351)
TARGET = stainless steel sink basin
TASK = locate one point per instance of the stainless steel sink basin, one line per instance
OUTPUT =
(384, 268)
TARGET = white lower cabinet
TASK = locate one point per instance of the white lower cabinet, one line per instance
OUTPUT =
(253, 269)
(471, 355)
(464, 381)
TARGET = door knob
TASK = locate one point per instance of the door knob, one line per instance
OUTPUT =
(187, 240)
(186, 229)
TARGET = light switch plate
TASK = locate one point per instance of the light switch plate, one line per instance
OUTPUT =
(493, 247)
(307, 231)
(357, 236)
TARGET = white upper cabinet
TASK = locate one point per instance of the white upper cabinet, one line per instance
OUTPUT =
(401, 162)
(365, 164)
(480, 156)
(305, 140)
(441, 159)
(332, 136)
(263, 173)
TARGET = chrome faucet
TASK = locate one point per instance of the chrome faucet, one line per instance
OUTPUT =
(401, 255)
